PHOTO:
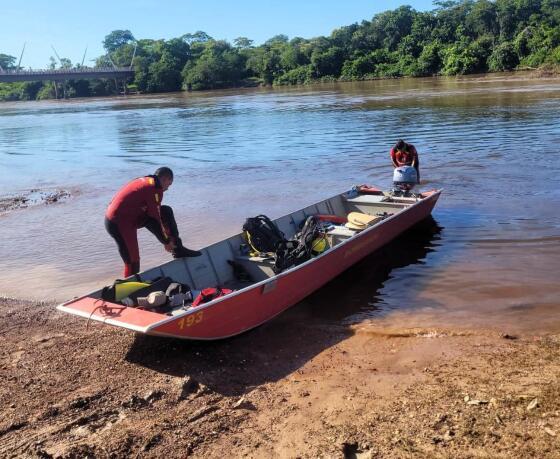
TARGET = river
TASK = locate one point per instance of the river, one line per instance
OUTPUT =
(491, 143)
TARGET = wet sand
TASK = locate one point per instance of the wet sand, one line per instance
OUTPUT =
(294, 387)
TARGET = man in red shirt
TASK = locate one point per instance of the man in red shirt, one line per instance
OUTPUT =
(138, 205)
(405, 154)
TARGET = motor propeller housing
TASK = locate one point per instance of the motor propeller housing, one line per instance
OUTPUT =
(405, 178)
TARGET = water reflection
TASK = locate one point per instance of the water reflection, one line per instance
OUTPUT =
(357, 294)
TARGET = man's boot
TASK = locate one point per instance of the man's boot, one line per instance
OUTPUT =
(180, 251)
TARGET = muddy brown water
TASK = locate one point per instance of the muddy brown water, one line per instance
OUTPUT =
(491, 256)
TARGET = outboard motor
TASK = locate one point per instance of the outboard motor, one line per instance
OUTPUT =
(405, 179)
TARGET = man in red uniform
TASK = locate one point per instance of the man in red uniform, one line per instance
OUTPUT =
(138, 205)
(405, 154)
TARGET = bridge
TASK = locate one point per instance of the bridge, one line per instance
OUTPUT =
(121, 73)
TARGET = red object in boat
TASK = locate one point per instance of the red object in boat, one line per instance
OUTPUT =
(366, 189)
(209, 294)
(257, 302)
(332, 219)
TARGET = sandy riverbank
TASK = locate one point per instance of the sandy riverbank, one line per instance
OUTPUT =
(292, 388)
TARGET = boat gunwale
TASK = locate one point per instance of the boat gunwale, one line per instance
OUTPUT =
(105, 320)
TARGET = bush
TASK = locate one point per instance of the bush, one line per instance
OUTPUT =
(535, 59)
(555, 55)
(503, 58)
(461, 60)
(299, 75)
(429, 62)
(19, 91)
(388, 70)
(46, 92)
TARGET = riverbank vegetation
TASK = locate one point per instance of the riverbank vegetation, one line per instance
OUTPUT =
(457, 38)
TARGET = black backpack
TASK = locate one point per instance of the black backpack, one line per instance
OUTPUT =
(262, 234)
(297, 251)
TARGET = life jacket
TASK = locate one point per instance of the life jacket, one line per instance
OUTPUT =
(209, 294)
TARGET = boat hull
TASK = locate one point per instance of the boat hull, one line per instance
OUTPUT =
(250, 307)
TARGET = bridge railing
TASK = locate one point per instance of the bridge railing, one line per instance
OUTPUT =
(67, 71)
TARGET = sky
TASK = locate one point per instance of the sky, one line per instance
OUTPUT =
(71, 25)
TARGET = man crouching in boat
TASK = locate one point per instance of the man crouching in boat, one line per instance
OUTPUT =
(138, 205)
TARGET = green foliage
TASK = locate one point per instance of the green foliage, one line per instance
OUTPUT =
(197, 37)
(218, 66)
(535, 59)
(10, 91)
(535, 44)
(482, 19)
(264, 63)
(100, 88)
(163, 76)
(430, 60)
(327, 62)
(299, 75)
(277, 39)
(29, 89)
(463, 56)
(555, 56)
(551, 12)
(390, 27)
(116, 39)
(503, 58)
(505, 15)
(242, 42)
(158, 63)
(47, 91)
(7, 62)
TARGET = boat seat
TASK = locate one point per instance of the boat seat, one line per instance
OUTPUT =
(339, 234)
(255, 259)
(368, 199)
(373, 204)
(259, 268)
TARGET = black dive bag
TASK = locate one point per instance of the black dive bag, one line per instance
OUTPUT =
(298, 250)
(262, 234)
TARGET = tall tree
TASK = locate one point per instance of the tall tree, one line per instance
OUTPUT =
(197, 37)
(116, 39)
(7, 62)
(242, 42)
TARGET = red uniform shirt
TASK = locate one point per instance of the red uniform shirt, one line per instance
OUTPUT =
(135, 202)
(405, 158)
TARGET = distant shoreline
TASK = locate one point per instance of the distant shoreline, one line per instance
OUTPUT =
(529, 74)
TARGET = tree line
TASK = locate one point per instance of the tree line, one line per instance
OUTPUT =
(458, 37)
